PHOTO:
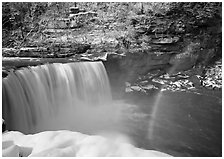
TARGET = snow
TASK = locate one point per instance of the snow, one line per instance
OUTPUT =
(66, 143)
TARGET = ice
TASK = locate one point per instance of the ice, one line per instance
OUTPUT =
(64, 143)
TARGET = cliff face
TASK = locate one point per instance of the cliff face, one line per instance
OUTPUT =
(174, 41)
(185, 40)
(186, 37)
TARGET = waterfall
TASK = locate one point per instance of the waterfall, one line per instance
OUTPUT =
(55, 96)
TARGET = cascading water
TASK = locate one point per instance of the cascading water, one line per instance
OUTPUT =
(73, 96)
(56, 96)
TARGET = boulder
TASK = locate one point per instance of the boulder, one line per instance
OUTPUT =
(196, 81)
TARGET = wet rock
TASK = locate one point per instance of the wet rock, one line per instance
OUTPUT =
(186, 59)
(182, 62)
(163, 41)
(16, 62)
(213, 76)
(4, 73)
(165, 48)
(94, 57)
(56, 50)
(196, 81)
(8, 52)
(74, 10)
(3, 125)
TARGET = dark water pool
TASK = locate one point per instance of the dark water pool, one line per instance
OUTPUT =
(185, 124)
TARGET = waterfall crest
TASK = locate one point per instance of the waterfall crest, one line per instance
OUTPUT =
(54, 96)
